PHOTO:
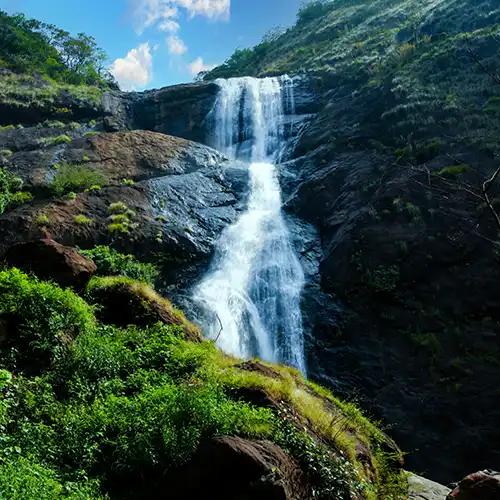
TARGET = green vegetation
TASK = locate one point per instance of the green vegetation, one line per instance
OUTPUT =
(42, 219)
(110, 262)
(24, 91)
(75, 178)
(31, 46)
(453, 170)
(96, 410)
(56, 141)
(121, 218)
(11, 193)
(82, 220)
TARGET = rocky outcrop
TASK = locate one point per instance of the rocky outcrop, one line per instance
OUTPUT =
(423, 489)
(401, 250)
(483, 485)
(50, 260)
(123, 302)
(175, 195)
(250, 469)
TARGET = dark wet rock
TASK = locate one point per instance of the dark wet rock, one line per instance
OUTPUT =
(251, 469)
(483, 485)
(401, 265)
(50, 260)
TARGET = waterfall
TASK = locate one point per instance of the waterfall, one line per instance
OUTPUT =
(251, 294)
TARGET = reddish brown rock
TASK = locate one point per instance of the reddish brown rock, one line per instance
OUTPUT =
(50, 260)
(483, 485)
(232, 468)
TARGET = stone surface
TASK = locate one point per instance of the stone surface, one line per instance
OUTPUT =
(123, 303)
(50, 260)
(424, 489)
(232, 468)
(482, 485)
(182, 194)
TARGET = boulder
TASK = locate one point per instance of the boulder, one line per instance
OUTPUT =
(421, 488)
(50, 260)
(482, 485)
(124, 302)
(232, 468)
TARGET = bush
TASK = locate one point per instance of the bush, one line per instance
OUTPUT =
(42, 220)
(113, 263)
(82, 220)
(56, 141)
(21, 479)
(121, 218)
(75, 178)
(46, 318)
(9, 190)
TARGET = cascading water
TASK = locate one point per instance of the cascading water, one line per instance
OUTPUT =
(251, 295)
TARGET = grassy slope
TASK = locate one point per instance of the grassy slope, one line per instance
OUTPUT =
(88, 409)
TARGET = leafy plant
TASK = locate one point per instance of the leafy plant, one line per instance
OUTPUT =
(75, 178)
(113, 263)
(82, 220)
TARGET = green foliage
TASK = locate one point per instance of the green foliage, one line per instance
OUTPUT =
(75, 178)
(46, 317)
(56, 141)
(453, 170)
(10, 191)
(333, 476)
(125, 406)
(312, 10)
(128, 182)
(113, 263)
(42, 219)
(31, 46)
(21, 479)
(121, 219)
(82, 220)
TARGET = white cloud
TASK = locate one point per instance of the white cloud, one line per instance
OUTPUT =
(176, 46)
(163, 13)
(135, 69)
(169, 26)
(213, 9)
(198, 65)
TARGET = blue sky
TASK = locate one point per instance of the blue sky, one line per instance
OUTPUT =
(152, 43)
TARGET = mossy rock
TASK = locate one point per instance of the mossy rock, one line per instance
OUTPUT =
(123, 301)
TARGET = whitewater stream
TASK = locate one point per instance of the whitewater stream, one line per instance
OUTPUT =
(251, 294)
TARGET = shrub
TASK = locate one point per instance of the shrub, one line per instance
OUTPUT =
(120, 218)
(128, 182)
(56, 141)
(71, 177)
(453, 170)
(82, 220)
(9, 190)
(21, 479)
(42, 220)
(46, 317)
(20, 198)
(110, 262)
